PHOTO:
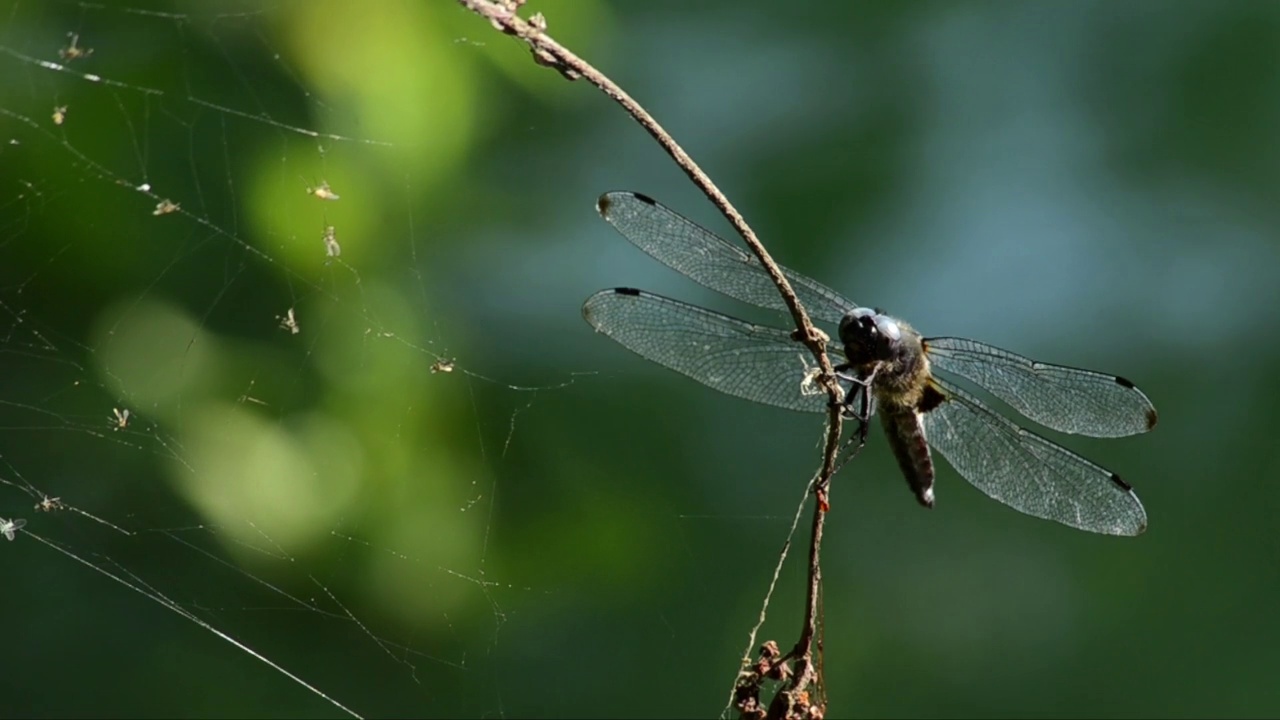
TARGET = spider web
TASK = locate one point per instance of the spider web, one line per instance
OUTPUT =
(227, 383)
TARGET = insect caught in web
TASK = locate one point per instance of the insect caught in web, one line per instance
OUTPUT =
(166, 206)
(331, 247)
(73, 51)
(119, 419)
(443, 365)
(9, 528)
(59, 114)
(290, 323)
(49, 504)
(322, 191)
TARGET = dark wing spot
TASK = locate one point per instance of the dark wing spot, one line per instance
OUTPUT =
(644, 198)
(603, 204)
(1151, 418)
(931, 398)
(626, 291)
(1125, 383)
(1123, 485)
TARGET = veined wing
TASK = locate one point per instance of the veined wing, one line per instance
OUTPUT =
(709, 260)
(1027, 472)
(1065, 399)
(739, 358)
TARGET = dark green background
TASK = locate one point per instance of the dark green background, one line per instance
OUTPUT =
(1090, 183)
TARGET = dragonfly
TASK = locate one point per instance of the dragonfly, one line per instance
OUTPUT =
(907, 380)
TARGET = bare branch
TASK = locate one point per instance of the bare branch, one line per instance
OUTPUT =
(546, 51)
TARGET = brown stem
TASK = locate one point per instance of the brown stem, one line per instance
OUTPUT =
(546, 51)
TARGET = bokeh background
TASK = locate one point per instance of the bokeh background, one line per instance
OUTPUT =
(558, 528)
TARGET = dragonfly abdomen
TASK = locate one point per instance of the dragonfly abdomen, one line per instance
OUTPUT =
(905, 431)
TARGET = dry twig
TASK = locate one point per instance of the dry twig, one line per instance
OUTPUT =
(796, 699)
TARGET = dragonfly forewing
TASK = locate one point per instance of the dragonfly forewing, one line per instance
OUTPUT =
(749, 361)
(1028, 472)
(709, 260)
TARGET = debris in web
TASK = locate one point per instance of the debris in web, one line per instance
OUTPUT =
(331, 247)
(73, 50)
(50, 504)
(289, 322)
(9, 528)
(322, 191)
(166, 206)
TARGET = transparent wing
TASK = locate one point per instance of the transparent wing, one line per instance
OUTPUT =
(749, 361)
(1065, 399)
(1027, 472)
(710, 261)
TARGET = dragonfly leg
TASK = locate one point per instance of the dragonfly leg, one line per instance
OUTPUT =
(851, 448)
(860, 390)
(847, 452)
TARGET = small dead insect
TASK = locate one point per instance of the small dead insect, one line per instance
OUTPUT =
(9, 527)
(166, 206)
(49, 504)
(290, 323)
(119, 419)
(809, 383)
(331, 247)
(59, 114)
(443, 365)
(322, 191)
(74, 51)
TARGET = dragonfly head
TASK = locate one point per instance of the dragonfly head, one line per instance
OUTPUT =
(869, 336)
